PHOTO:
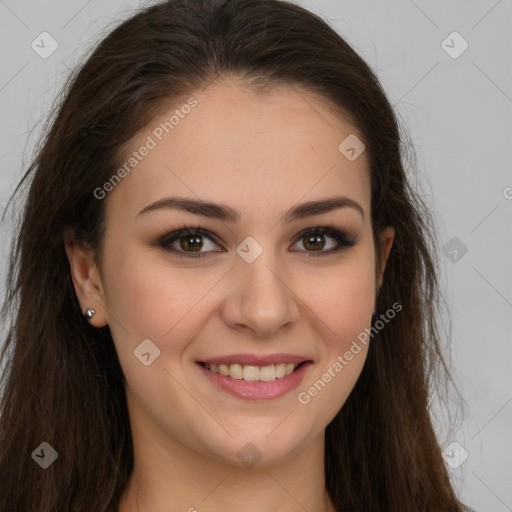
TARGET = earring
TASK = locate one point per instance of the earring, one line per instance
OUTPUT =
(89, 312)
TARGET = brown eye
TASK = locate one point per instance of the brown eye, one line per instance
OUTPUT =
(188, 242)
(191, 243)
(313, 241)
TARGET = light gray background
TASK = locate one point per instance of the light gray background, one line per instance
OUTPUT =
(458, 114)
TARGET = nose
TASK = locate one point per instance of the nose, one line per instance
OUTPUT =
(260, 298)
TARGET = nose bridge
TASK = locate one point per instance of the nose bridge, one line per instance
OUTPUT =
(260, 297)
(262, 280)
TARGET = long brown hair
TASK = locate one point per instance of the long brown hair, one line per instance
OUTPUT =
(62, 381)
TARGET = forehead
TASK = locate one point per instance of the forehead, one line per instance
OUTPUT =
(258, 152)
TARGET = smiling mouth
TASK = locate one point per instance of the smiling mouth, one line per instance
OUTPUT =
(252, 373)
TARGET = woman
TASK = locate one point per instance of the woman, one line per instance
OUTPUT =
(223, 286)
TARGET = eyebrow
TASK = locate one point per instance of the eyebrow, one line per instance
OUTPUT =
(226, 213)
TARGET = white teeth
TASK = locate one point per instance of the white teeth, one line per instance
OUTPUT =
(223, 369)
(235, 371)
(268, 373)
(289, 368)
(252, 373)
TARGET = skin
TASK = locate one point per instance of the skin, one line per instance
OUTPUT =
(260, 154)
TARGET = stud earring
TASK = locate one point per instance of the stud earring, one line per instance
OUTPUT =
(89, 312)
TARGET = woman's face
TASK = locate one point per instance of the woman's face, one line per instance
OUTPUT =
(267, 289)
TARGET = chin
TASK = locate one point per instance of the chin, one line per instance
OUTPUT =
(259, 447)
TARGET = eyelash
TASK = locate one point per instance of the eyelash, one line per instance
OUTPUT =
(339, 236)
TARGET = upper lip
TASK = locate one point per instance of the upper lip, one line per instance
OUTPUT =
(255, 359)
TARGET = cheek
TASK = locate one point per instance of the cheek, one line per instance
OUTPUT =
(341, 299)
(156, 301)
(343, 303)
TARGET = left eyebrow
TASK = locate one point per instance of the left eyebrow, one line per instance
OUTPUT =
(228, 214)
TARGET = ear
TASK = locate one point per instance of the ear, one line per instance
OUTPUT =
(86, 280)
(386, 242)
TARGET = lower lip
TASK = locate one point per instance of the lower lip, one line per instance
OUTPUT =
(257, 390)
